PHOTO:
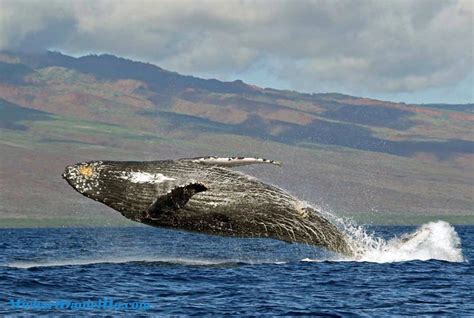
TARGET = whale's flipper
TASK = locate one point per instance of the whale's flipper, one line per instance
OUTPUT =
(230, 161)
(175, 199)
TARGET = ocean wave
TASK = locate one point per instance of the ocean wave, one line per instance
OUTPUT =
(432, 241)
(142, 260)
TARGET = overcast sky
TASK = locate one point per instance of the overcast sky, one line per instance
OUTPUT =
(412, 51)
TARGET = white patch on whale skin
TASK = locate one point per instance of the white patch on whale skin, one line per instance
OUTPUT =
(145, 177)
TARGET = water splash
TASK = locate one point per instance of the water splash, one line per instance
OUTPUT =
(431, 241)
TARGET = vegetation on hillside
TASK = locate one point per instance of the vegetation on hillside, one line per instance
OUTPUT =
(351, 154)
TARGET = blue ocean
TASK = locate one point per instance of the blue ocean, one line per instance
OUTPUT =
(416, 271)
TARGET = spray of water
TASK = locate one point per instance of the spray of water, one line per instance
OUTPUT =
(431, 241)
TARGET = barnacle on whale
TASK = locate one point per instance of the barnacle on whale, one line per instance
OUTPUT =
(86, 171)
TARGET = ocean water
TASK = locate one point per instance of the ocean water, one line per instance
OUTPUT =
(397, 271)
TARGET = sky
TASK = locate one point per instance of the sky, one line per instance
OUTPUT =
(411, 51)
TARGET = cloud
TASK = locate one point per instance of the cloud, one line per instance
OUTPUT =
(380, 46)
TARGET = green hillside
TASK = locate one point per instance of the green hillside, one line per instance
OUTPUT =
(373, 160)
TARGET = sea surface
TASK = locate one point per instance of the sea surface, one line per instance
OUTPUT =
(398, 271)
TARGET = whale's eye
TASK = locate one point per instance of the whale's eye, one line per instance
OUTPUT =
(86, 171)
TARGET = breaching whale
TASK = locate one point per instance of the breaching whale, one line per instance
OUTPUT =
(204, 195)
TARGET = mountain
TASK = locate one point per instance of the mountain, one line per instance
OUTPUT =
(354, 155)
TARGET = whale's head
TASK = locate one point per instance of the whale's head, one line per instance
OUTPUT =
(84, 178)
(125, 187)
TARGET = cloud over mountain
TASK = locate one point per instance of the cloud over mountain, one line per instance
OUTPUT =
(389, 46)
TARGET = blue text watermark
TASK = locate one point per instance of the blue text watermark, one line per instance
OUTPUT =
(101, 303)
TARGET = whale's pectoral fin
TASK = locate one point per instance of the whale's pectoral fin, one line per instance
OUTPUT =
(175, 199)
(230, 161)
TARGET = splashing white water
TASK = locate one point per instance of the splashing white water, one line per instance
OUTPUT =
(433, 240)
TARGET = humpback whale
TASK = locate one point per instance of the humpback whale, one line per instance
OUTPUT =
(204, 195)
